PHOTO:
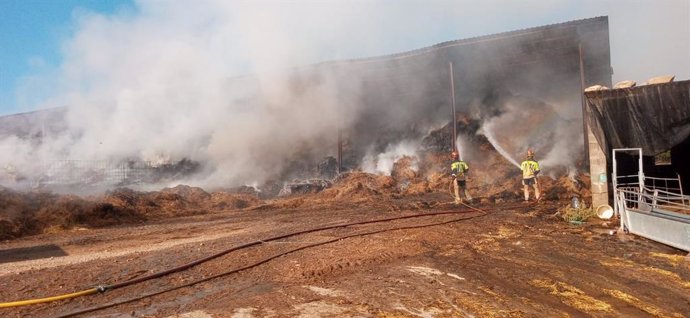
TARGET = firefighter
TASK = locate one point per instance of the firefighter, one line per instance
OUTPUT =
(458, 171)
(530, 170)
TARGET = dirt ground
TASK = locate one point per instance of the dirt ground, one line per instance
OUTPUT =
(430, 258)
(512, 260)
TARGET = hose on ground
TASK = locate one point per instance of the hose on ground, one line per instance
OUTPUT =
(263, 261)
(105, 288)
(49, 299)
(451, 192)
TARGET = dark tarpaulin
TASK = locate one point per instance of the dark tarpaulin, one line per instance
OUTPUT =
(652, 117)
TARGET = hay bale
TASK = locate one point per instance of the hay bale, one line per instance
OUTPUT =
(62, 213)
(231, 201)
(189, 194)
(7, 229)
(439, 181)
(358, 185)
(123, 197)
(661, 79)
(404, 169)
(169, 202)
(624, 84)
(596, 88)
(418, 188)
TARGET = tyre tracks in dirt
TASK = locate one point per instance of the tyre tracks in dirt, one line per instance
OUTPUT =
(101, 260)
(510, 263)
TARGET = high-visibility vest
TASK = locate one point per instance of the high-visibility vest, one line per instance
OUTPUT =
(459, 168)
(529, 169)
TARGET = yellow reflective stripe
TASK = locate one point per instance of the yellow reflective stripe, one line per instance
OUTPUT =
(459, 166)
(529, 164)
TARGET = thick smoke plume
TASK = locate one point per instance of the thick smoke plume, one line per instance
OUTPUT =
(219, 83)
(524, 124)
(382, 163)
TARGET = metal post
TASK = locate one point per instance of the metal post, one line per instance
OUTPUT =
(340, 151)
(640, 176)
(680, 185)
(614, 176)
(454, 118)
(584, 108)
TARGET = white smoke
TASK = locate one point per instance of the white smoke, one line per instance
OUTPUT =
(567, 147)
(531, 124)
(382, 163)
(156, 82)
(158, 86)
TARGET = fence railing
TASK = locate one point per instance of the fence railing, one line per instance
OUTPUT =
(652, 207)
(652, 199)
(86, 172)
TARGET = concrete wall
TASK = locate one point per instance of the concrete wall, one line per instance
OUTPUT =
(597, 170)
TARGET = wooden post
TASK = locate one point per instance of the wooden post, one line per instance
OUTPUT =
(454, 118)
(585, 131)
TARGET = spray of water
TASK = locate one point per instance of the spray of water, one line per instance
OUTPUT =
(489, 136)
(460, 146)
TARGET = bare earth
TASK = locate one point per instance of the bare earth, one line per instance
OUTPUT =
(516, 261)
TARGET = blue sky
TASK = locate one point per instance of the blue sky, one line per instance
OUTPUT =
(46, 44)
(31, 37)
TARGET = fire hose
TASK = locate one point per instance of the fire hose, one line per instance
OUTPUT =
(451, 192)
(49, 299)
(88, 310)
(104, 288)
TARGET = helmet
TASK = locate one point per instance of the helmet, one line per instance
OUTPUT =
(530, 153)
(454, 155)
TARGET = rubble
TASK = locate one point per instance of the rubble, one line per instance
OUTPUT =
(304, 187)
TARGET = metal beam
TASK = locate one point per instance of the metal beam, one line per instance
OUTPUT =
(454, 120)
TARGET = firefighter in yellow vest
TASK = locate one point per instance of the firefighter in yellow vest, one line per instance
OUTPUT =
(530, 170)
(458, 171)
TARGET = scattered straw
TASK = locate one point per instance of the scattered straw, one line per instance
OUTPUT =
(617, 262)
(572, 296)
(675, 260)
(574, 215)
(639, 304)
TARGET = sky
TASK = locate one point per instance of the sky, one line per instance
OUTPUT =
(648, 37)
(32, 35)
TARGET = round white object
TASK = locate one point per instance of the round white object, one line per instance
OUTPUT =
(605, 212)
